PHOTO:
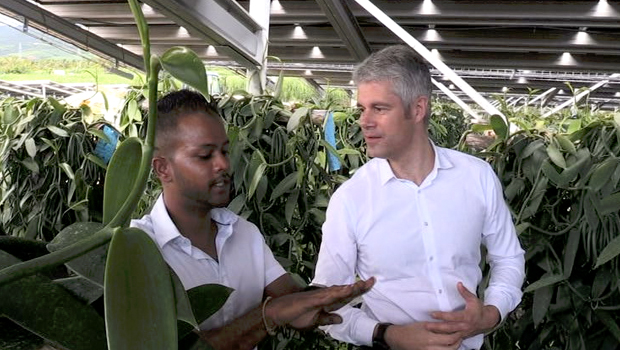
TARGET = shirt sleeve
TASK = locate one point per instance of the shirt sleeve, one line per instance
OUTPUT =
(504, 252)
(273, 269)
(336, 266)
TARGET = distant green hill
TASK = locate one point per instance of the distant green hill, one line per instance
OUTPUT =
(16, 43)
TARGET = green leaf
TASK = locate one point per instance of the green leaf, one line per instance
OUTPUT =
(531, 148)
(544, 282)
(50, 311)
(67, 169)
(601, 174)
(566, 144)
(556, 156)
(608, 320)
(551, 173)
(480, 128)
(206, 299)
(609, 204)
(522, 227)
(540, 304)
(285, 185)
(100, 134)
(31, 147)
(185, 316)
(499, 126)
(10, 115)
(81, 288)
(570, 252)
(90, 265)
(573, 126)
(291, 204)
(295, 119)
(237, 204)
(609, 252)
(536, 198)
(601, 281)
(121, 176)
(58, 107)
(58, 131)
(183, 64)
(140, 310)
(31, 164)
(93, 158)
(133, 112)
(258, 174)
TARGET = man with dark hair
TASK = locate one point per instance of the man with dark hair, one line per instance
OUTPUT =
(415, 217)
(203, 242)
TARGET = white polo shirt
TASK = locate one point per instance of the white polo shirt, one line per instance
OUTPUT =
(419, 241)
(245, 263)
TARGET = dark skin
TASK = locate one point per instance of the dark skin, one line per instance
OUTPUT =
(194, 171)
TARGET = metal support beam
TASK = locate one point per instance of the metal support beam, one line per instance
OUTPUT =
(345, 24)
(62, 29)
(457, 100)
(319, 89)
(426, 54)
(537, 98)
(579, 96)
(257, 77)
(223, 22)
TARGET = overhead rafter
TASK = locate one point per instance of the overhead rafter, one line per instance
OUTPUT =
(224, 23)
(63, 29)
(345, 24)
(581, 95)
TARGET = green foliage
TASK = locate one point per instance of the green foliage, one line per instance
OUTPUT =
(561, 189)
(447, 124)
(47, 178)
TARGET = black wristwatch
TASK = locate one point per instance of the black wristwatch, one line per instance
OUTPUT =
(378, 341)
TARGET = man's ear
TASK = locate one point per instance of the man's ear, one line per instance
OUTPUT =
(419, 108)
(162, 168)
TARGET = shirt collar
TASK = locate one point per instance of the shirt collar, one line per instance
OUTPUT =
(166, 231)
(442, 161)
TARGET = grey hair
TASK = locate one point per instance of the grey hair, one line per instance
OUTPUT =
(402, 66)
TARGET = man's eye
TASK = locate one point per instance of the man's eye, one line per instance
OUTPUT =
(204, 156)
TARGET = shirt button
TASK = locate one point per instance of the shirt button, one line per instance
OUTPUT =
(431, 258)
(425, 223)
(440, 291)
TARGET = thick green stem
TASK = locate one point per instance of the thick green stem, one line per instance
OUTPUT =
(30, 267)
(130, 204)
(143, 30)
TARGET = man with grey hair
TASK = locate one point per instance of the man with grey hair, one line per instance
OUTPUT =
(415, 217)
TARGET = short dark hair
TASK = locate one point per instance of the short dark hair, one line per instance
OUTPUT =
(174, 106)
(402, 66)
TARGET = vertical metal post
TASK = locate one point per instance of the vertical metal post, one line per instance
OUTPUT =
(257, 78)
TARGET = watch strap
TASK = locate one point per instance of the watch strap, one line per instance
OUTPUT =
(378, 341)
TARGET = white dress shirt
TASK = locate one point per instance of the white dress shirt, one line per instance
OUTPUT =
(245, 263)
(419, 241)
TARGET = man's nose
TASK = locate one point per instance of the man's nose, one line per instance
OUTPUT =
(365, 120)
(222, 163)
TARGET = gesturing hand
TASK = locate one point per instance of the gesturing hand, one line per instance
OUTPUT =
(474, 319)
(314, 308)
(415, 336)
